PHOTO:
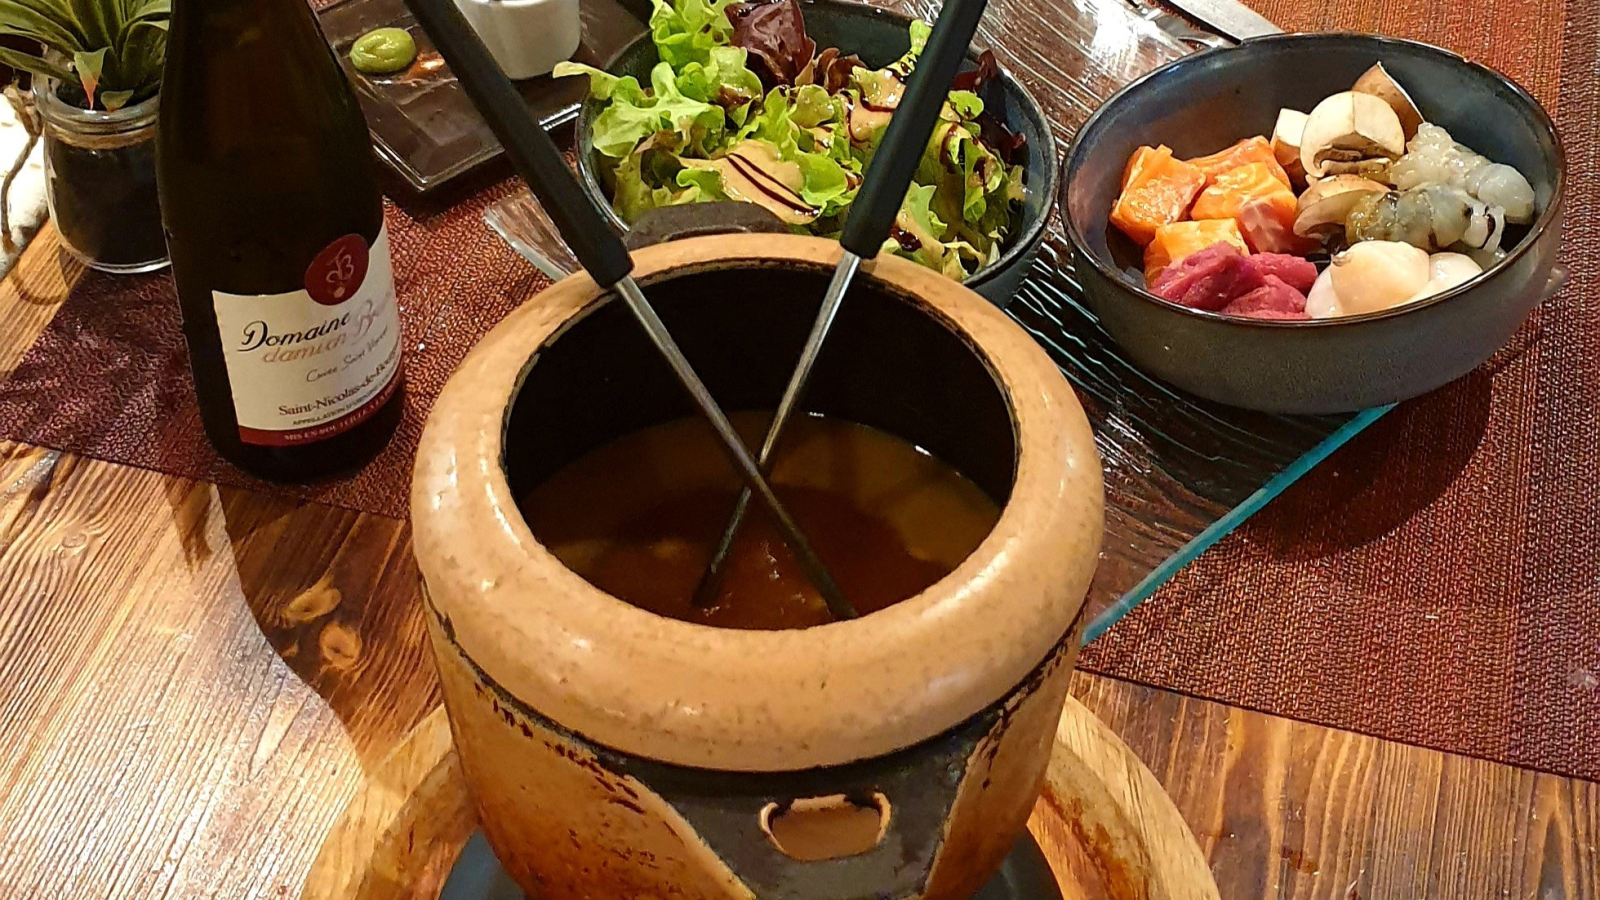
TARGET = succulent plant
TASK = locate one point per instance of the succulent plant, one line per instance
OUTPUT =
(112, 50)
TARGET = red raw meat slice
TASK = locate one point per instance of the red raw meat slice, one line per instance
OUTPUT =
(1298, 273)
(1274, 299)
(1207, 279)
(1198, 261)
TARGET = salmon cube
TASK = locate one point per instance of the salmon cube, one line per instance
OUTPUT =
(1157, 190)
(1247, 151)
(1267, 223)
(1181, 239)
(1230, 191)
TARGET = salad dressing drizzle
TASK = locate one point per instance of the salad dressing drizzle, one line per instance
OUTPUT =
(768, 184)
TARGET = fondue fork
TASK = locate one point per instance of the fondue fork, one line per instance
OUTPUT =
(535, 157)
(872, 214)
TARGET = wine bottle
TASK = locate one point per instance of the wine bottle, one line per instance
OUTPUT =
(274, 220)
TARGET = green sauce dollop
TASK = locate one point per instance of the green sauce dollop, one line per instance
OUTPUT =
(383, 51)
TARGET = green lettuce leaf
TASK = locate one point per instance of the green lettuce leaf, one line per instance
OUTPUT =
(707, 181)
(724, 79)
(976, 193)
(955, 258)
(634, 194)
(774, 123)
(919, 41)
(813, 106)
(800, 124)
(680, 122)
(918, 207)
(965, 105)
(832, 139)
(602, 84)
(1000, 213)
(685, 31)
(827, 185)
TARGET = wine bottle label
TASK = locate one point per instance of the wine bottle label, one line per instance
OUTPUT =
(307, 365)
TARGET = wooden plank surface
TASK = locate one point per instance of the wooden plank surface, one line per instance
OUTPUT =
(190, 679)
(194, 681)
(32, 292)
(1284, 809)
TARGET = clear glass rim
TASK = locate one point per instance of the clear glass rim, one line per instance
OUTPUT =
(77, 120)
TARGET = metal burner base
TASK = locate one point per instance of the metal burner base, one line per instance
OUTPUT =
(1025, 875)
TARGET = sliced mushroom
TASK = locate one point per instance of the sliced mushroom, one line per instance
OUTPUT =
(1286, 142)
(1347, 162)
(1349, 128)
(1379, 83)
(1326, 204)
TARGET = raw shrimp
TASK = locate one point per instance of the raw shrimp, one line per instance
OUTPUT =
(1392, 216)
(1433, 157)
(1431, 217)
(1498, 184)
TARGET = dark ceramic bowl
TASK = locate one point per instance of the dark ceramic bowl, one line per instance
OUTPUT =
(1205, 102)
(880, 37)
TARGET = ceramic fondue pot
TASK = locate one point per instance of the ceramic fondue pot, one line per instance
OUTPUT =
(613, 753)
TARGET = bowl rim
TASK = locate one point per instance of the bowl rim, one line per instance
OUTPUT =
(1547, 218)
(1030, 233)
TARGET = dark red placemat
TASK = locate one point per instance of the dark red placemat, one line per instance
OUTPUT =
(109, 377)
(1437, 581)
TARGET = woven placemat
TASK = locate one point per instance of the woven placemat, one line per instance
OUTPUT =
(454, 277)
(1437, 580)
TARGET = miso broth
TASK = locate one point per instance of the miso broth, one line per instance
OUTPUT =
(638, 519)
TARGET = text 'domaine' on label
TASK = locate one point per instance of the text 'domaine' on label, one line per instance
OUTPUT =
(307, 365)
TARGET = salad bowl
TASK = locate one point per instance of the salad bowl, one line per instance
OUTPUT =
(879, 37)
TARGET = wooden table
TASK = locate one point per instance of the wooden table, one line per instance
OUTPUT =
(195, 680)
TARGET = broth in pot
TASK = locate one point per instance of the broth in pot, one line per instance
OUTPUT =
(639, 517)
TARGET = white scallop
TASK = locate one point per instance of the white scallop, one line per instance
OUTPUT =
(1377, 275)
(1445, 271)
(1322, 302)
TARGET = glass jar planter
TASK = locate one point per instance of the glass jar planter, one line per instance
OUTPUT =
(100, 177)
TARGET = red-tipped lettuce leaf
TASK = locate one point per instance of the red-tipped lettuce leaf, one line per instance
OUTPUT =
(830, 70)
(974, 79)
(993, 131)
(774, 33)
